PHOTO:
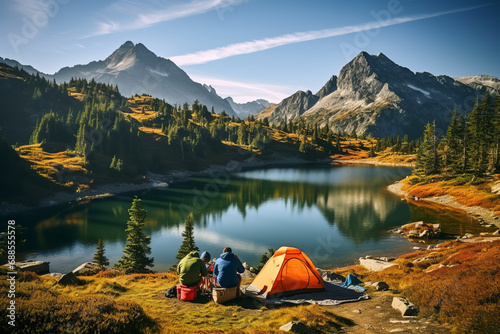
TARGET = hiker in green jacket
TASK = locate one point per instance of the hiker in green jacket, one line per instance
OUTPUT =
(191, 269)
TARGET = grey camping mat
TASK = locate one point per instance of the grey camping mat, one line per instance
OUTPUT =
(335, 294)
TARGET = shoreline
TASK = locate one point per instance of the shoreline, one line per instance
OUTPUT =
(447, 201)
(153, 181)
(372, 162)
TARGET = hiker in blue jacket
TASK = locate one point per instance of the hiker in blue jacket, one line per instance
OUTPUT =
(226, 269)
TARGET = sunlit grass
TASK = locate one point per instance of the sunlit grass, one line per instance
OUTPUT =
(50, 165)
(464, 193)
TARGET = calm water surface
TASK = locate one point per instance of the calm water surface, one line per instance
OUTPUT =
(334, 213)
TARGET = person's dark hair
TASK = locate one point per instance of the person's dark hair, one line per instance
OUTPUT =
(205, 256)
(227, 250)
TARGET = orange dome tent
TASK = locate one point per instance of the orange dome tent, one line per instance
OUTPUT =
(289, 271)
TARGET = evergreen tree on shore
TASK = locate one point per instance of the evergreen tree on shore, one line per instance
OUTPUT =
(188, 245)
(427, 160)
(134, 258)
(99, 257)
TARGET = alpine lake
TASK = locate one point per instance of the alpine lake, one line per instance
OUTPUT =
(335, 214)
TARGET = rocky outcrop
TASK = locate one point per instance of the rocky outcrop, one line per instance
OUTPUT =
(297, 327)
(405, 307)
(420, 230)
(374, 264)
(328, 88)
(88, 269)
(38, 267)
(482, 82)
(293, 106)
(69, 279)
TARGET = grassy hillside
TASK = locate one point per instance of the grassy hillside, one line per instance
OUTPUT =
(17, 178)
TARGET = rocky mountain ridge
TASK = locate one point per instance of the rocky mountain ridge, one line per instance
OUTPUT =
(373, 95)
(137, 70)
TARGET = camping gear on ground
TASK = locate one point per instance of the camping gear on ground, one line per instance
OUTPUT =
(186, 293)
(335, 294)
(221, 295)
(351, 280)
(289, 271)
(171, 292)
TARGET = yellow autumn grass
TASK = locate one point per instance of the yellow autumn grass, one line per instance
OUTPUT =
(49, 164)
(466, 194)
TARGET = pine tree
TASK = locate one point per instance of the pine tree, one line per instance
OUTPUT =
(134, 258)
(188, 245)
(99, 257)
(452, 159)
(478, 132)
(427, 160)
(242, 134)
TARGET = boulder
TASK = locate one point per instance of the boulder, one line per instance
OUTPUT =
(496, 188)
(246, 266)
(381, 286)
(375, 265)
(405, 307)
(297, 327)
(387, 259)
(87, 269)
(38, 267)
(247, 274)
(69, 279)
(419, 224)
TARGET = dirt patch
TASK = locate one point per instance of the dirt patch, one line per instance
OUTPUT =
(376, 315)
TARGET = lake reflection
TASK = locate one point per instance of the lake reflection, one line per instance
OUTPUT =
(334, 213)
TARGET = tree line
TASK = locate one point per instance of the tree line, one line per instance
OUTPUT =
(471, 144)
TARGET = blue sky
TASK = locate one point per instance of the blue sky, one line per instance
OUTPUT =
(257, 48)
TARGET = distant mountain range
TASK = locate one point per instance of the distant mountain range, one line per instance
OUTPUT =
(373, 95)
(250, 108)
(136, 70)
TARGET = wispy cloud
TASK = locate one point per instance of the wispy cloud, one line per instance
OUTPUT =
(30, 7)
(140, 14)
(202, 57)
(242, 92)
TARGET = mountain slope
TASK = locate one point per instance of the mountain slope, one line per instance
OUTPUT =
(378, 97)
(295, 105)
(15, 63)
(137, 70)
(249, 108)
(25, 99)
(488, 82)
(373, 95)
